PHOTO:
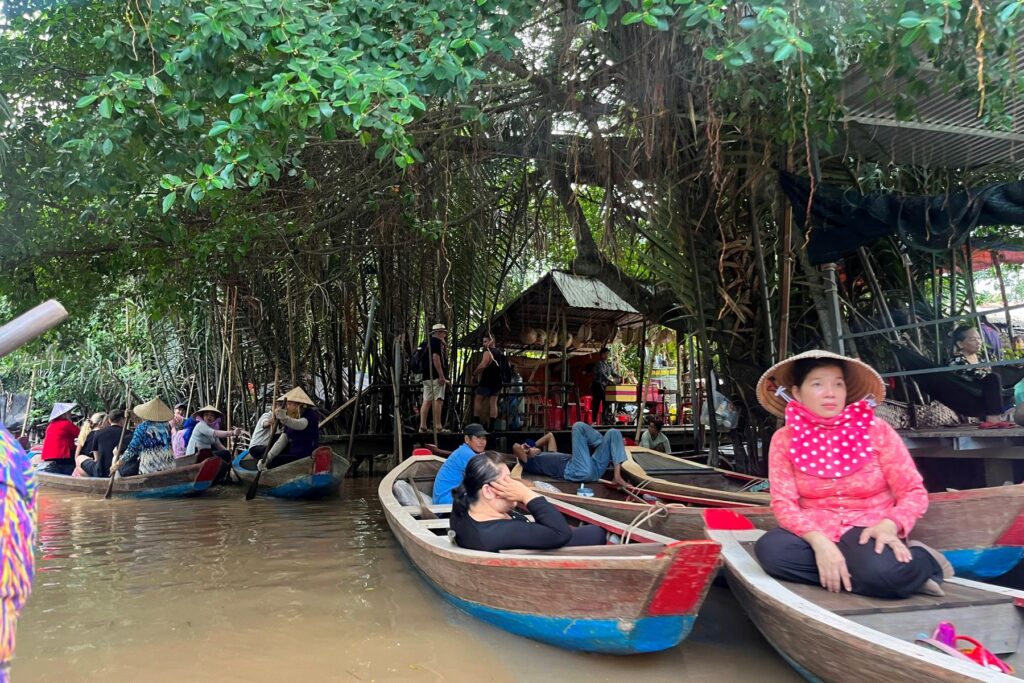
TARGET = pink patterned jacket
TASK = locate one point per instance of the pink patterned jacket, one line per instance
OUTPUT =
(887, 487)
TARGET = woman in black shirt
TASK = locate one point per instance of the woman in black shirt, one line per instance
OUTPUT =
(484, 515)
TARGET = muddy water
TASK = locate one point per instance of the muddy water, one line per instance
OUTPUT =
(216, 589)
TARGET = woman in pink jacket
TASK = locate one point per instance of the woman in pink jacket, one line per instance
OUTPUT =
(844, 488)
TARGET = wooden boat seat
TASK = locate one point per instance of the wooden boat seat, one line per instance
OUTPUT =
(629, 549)
(849, 604)
(433, 523)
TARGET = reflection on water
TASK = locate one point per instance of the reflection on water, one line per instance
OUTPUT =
(222, 590)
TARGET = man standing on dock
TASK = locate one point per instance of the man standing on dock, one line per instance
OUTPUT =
(604, 377)
(435, 376)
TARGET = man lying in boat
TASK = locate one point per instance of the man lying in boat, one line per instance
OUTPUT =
(844, 488)
(450, 475)
(484, 516)
(591, 456)
(301, 430)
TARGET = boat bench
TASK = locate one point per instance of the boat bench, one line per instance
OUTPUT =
(992, 618)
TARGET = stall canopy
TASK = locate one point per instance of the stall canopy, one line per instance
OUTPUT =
(577, 305)
(844, 219)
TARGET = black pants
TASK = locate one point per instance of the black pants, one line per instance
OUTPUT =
(257, 452)
(786, 556)
(596, 402)
(63, 466)
(991, 394)
(587, 534)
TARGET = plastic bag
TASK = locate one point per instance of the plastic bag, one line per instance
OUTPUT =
(727, 417)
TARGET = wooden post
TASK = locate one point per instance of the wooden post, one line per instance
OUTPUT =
(786, 280)
(565, 373)
(640, 398)
(1002, 294)
(937, 306)
(832, 278)
(547, 346)
(396, 373)
(28, 402)
(969, 281)
(679, 377)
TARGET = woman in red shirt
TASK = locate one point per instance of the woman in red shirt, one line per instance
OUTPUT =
(844, 488)
(59, 441)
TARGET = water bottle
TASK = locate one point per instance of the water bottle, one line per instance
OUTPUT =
(584, 491)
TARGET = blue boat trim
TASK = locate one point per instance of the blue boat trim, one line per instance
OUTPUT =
(985, 563)
(176, 491)
(310, 486)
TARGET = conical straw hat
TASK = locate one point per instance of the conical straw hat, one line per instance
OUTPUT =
(154, 411)
(861, 381)
(297, 395)
(59, 409)
(208, 409)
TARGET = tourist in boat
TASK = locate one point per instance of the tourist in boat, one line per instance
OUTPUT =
(845, 490)
(604, 377)
(435, 376)
(301, 425)
(179, 424)
(654, 439)
(150, 447)
(103, 444)
(484, 516)
(474, 441)
(206, 437)
(59, 440)
(260, 439)
(591, 456)
(89, 425)
(967, 343)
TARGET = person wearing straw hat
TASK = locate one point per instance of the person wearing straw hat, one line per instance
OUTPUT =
(301, 425)
(58, 454)
(150, 447)
(206, 438)
(844, 488)
(435, 377)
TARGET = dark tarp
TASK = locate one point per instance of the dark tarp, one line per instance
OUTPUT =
(845, 219)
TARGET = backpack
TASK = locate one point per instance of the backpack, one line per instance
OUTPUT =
(504, 366)
(418, 360)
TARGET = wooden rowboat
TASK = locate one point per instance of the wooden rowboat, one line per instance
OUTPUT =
(178, 482)
(846, 637)
(691, 482)
(980, 531)
(317, 476)
(620, 599)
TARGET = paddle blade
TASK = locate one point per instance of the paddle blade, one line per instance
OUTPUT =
(722, 519)
(251, 493)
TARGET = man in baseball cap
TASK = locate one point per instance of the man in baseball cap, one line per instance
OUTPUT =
(449, 477)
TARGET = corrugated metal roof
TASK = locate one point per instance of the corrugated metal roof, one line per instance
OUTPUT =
(945, 131)
(585, 292)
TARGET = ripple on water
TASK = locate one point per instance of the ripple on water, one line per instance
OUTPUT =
(223, 590)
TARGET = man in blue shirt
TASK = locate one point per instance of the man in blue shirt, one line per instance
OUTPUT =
(449, 477)
(592, 454)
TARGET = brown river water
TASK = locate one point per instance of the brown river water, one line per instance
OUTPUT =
(217, 589)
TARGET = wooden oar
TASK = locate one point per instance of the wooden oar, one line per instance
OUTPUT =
(425, 512)
(30, 325)
(117, 455)
(254, 486)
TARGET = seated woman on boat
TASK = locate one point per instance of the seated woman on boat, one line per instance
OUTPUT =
(259, 442)
(967, 343)
(301, 430)
(592, 453)
(484, 516)
(845, 490)
(654, 439)
(206, 437)
(150, 447)
(59, 440)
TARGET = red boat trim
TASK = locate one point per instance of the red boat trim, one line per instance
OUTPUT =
(1014, 534)
(683, 586)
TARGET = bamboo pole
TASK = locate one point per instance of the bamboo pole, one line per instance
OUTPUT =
(396, 372)
(762, 275)
(910, 292)
(28, 401)
(679, 379)
(642, 354)
(362, 362)
(547, 345)
(937, 306)
(969, 281)
(233, 441)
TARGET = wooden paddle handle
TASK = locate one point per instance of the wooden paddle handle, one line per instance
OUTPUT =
(30, 325)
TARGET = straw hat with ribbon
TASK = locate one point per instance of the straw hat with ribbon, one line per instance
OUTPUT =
(61, 409)
(297, 395)
(208, 409)
(154, 411)
(861, 380)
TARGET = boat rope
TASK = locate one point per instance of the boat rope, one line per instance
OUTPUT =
(656, 509)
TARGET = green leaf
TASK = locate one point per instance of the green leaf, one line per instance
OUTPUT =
(326, 110)
(240, 97)
(784, 52)
(910, 36)
(910, 20)
(169, 200)
(106, 108)
(219, 128)
(86, 101)
(236, 115)
(107, 147)
(155, 85)
(632, 18)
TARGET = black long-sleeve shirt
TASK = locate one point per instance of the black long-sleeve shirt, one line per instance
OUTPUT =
(550, 530)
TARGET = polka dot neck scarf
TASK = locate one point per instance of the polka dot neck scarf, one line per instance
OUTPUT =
(830, 447)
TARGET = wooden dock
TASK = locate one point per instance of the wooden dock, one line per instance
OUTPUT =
(967, 457)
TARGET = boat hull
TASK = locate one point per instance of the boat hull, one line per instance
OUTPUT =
(179, 482)
(606, 604)
(691, 482)
(304, 479)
